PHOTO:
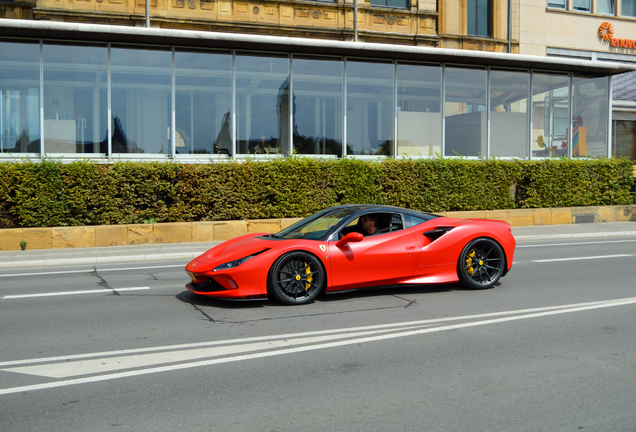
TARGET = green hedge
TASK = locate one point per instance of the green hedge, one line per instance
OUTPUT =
(51, 193)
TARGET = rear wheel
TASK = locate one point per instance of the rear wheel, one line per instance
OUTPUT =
(481, 263)
(296, 278)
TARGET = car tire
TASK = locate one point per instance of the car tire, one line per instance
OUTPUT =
(296, 278)
(481, 263)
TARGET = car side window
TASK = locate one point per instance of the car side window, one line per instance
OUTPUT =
(411, 221)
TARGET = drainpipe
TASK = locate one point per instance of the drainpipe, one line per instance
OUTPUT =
(147, 13)
(355, 20)
(509, 26)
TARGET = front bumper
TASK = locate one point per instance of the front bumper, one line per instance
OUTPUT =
(208, 286)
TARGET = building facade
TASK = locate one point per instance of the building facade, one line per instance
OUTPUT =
(424, 78)
(600, 30)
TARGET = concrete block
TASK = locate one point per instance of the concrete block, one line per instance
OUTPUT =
(37, 238)
(521, 221)
(229, 229)
(10, 239)
(173, 232)
(111, 235)
(542, 216)
(263, 226)
(203, 231)
(503, 215)
(607, 214)
(140, 234)
(561, 215)
(626, 213)
(72, 237)
(284, 223)
(467, 214)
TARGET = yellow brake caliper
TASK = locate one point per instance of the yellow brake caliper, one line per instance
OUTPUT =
(309, 278)
(469, 263)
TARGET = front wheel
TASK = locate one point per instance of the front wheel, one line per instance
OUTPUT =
(481, 263)
(296, 278)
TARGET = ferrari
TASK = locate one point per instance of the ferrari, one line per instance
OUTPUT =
(352, 247)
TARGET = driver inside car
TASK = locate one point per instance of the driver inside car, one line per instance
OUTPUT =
(369, 225)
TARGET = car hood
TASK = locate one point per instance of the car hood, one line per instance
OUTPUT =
(236, 248)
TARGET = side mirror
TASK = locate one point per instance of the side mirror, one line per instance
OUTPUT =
(351, 237)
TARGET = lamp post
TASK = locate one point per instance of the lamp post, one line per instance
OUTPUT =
(147, 13)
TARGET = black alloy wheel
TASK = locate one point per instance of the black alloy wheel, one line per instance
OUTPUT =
(481, 263)
(296, 278)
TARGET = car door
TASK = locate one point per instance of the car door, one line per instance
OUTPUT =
(377, 260)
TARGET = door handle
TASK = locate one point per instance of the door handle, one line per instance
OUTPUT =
(410, 247)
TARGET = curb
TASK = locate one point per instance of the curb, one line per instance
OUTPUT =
(99, 260)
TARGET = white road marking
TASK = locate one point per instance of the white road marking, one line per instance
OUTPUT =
(582, 258)
(291, 335)
(89, 367)
(91, 271)
(356, 340)
(65, 293)
(573, 244)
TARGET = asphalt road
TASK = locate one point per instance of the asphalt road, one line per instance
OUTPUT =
(127, 348)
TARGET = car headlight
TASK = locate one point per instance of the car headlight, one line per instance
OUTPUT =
(238, 262)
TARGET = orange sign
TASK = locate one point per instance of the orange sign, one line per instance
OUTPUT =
(606, 32)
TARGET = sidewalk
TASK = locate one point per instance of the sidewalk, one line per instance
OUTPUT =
(188, 251)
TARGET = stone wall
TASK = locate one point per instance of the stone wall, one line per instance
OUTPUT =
(185, 232)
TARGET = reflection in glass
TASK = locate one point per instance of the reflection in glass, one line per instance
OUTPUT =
(75, 105)
(317, 106)
(629, 8)
(478, 17)
(582, 5)
(262, 104)
(589, 116)
(419, 129)
(369, 108)
(19, 98)
(624, 142)
(465, 112)
(550, 107)
(203, 103)
(509, 114)
(606, 7)
(141, 100)
(557, 4)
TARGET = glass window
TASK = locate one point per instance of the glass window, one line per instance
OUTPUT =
(629, 8)
(419, 130)
(465, 112)
(75, 99)
(141, 82)
(509, 113)
(557, 4)
(624, 139)
(590, 116)
(203, 101)
(550, 107)
(606, 7)
(390, 3)
(411, 221)
(19, 98)
(369, 108)
(478, 17)
(582, 5)
(318, 95)
(262, 101)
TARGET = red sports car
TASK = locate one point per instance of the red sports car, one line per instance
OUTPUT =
(355, 246)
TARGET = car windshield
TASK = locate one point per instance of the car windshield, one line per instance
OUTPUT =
(315, 227)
